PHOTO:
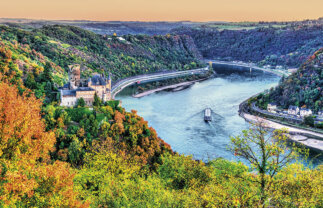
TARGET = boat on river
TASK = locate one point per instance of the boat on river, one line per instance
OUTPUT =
(207, 114)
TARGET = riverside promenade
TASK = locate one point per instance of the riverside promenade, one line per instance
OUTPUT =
(311, 139)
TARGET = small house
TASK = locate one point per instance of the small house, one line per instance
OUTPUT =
(272, 107)
(292, 70)
(320, 113)
(305, 112)
(293, 110)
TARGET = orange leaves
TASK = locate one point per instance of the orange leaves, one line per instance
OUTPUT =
(133, 136)
(18, 185)
(80, 132)
(23, 144)
(21, 128)
(117, 129)
(6, 54)
(119, 117)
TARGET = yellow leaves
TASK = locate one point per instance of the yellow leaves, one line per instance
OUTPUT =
(23, 144)
(298, 186)
(18, 184)
(21, 126)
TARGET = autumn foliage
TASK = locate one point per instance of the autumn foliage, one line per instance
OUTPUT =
(26, 174)
(53, 156)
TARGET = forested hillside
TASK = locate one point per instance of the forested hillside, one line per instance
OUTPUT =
(54, 156)
(303, 88)
(288, 45)
(122, 56)
(25, 67)
(106, 157)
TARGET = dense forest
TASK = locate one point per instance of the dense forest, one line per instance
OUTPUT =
(53, 156)
(303, 88)
(286, 45)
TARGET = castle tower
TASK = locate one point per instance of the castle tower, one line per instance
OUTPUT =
(108, 83)
(74, 76)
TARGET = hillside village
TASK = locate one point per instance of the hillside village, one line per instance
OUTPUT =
(294, 111)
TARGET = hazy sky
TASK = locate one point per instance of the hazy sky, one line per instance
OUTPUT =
(160, 10)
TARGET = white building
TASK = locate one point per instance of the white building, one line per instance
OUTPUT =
(121, 38)
(293, 110)
(272, 107)
(292, 70)
(305, 112)
(320, 113)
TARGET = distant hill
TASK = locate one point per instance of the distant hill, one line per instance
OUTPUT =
(275, 44)
(105, 27)
(303, 87)
(149, 28)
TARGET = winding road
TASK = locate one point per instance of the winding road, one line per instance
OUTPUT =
(123, 83)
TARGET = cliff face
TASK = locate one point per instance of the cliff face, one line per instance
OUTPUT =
(288, 46)
(304, 87)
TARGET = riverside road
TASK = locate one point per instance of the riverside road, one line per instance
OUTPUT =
(123, 83)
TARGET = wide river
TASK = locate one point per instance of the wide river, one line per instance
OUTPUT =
(178, 116)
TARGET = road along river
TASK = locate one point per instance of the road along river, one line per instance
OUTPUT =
(178, 116)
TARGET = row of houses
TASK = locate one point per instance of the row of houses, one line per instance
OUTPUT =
(292, 110)
(273, 67)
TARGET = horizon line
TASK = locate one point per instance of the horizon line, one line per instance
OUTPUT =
(207, 21)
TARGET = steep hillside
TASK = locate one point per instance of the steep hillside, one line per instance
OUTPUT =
(23, 66)
(282, 45)
(304, 87)
(122, 56)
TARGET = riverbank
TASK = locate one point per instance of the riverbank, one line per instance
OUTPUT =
(174, 87)
(313, 140)
(277, 72)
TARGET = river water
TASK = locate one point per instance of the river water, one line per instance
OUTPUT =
(178, 116)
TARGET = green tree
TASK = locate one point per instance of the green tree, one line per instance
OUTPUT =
(309, 120)
(267, 152)
(80, 102)
(97, 101)
(182, 172)
(47, 74)
(75, 152)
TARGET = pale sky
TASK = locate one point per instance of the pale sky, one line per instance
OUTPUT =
(163, 10)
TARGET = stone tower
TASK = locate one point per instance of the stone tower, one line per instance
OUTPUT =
(108, 83)
(74, 76)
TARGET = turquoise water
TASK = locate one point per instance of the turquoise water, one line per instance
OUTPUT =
(178, 116)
